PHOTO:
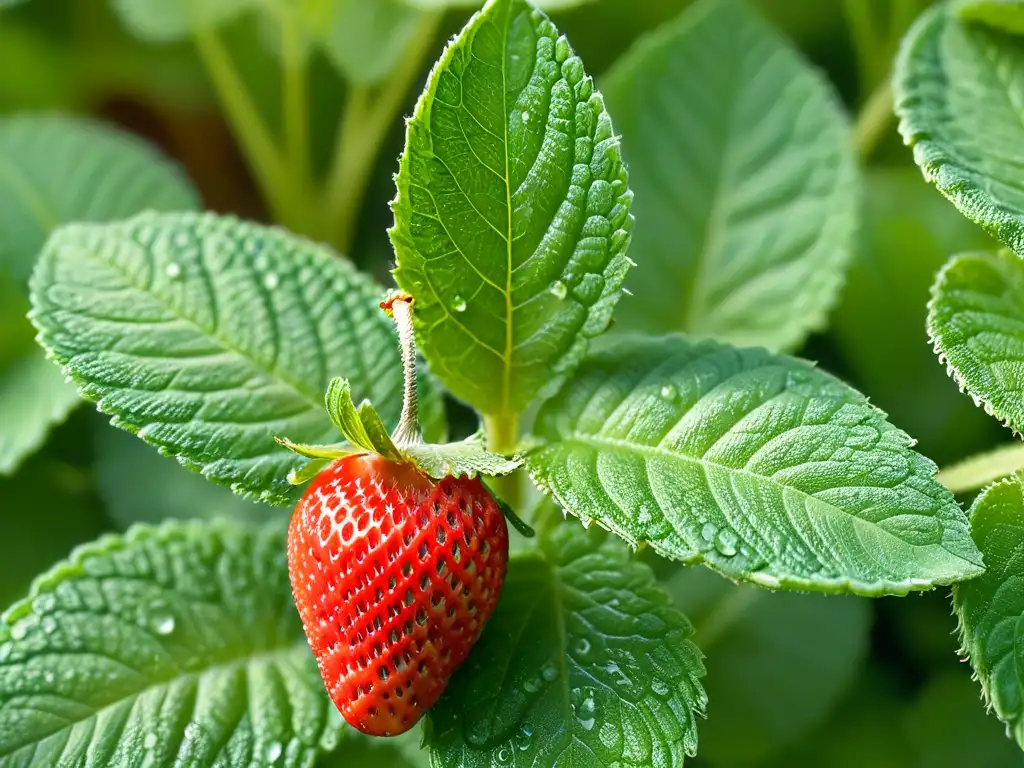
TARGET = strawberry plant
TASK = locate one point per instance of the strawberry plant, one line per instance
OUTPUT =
(580, 429)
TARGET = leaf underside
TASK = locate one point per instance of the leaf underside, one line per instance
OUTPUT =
(760, 466)
(176, 645)
(991, 607)
(584, 662)
(208, 337)
(512, 214)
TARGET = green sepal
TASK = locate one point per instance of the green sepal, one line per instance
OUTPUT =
(467, 457)
(314, 467)
(517, 522)
(342, 411)
(329, 452)
(377, 432)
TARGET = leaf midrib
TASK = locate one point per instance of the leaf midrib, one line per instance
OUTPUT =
(509, 309)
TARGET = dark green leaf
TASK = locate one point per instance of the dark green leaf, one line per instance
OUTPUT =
(583, 663)
(991, 607)
(176, 645)
(760, 466)
(512, 215)
(746, 182)
(209, 337)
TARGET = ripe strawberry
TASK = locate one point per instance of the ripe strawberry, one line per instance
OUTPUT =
(394, 574)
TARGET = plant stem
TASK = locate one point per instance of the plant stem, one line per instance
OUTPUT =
(865, 40)
(246, 124)
(874, 119)
(363, 127)
(501, 434)
(295, 100)
(408, 430)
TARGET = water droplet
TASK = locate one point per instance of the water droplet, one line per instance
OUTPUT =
(725, 542)
(549, 672)
(659, 686)
(49, 677)
(193, 731)
(150, 741)
(708, 532)
(526, 116)
(559, 290)
(19, 630)
(525, 736)
(271, 280)
(582, 646)
(273, 752)
(532, 685)
(160, 620)
(669, 392)
(583, 707)
(458, 304)
(173, 270)
(504, 756)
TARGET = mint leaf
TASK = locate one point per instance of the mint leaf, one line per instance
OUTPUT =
(991, 607)
(745, 178)
(512, 214)
(208, 337)
(1007, 15)
(778, 663)
(167, 20)
(959, 94)
(583, 663)
(976, 322)
(173, 645)
(759, 466)
(55, 170)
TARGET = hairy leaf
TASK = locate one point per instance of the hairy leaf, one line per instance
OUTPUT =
(991, 607)
(165, 20)
(960, 98)
(512, 215)
(745, 179)
(467, 457)
(54, 170)
(976, 322)
(777, 663)
(173, 645)
(760, 466)
(1001, 14)
(584, 662)
(208, 337)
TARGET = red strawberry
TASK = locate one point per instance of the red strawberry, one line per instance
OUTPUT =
(394, 574)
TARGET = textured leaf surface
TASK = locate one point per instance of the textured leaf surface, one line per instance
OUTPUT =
(1001, 14)
(760, 466)
(171, 646)
(165, 20)
(584, 662)
(512, 215)
(960, 98)
(991, 607)
(208, 336)
(976, 322)
(778, 663)
(467, 457)
(745, 180)
(54, 170)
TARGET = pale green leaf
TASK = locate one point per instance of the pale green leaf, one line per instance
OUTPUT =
(546, 5)
(1001, 14)
(138, 485)
(991, 607)
(54, 170)
(176, 645)
(365, 39)
(166, 20)
(584, 663)
(976, 322)
(361, 751)
(209, 337)
(512, 215)
(745, 179)
(762, 650)
(981, 469)
(760, 466)
(960, 98)
(467, 457)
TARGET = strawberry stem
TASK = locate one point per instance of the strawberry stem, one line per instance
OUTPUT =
(407, 432)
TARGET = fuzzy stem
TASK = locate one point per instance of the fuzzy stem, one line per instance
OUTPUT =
(408, 430)
(502, 436)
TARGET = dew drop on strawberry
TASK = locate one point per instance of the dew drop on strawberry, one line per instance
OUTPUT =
(394, 575)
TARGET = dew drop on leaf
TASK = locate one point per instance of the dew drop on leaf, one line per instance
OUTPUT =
(525, 736)
(526, 116)
(458, 304)
(708, 532)
(582, 646)
(549, 672)
(150, 741)
(725, 542)
(670, 393)
(271, 280)
(273, 752)
(659, 686)
(559, 290)
(173, 270)
(532, 685)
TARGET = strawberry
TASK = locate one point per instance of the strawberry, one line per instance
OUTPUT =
(395, 575)
(397, 554)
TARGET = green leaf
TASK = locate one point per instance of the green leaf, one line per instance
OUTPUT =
(361, 751)
(138, 485)
(760, 466)
(1007, 15)
(365, 39)
(762, 649)
(547, 5)
(980, 470)
(976, 322)
(960, 99)
(172, 645)
(584, 662)
(209, 336)
(166, 20)
(468, 457)
(512, 214)
(745, 178)
(991, 607)
(54, 170)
